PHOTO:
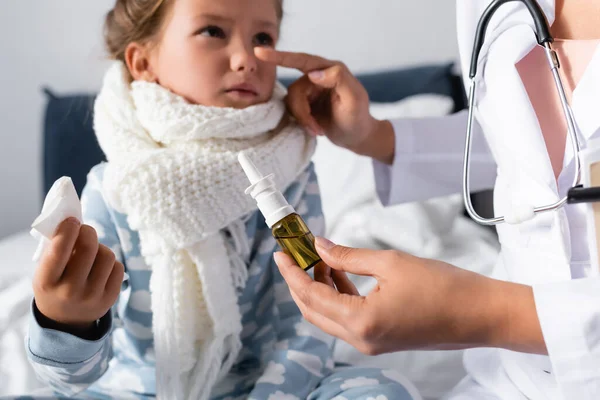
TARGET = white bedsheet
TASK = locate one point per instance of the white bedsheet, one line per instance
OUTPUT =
(16, 270)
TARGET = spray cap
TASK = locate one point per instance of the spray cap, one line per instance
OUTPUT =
(271, 203)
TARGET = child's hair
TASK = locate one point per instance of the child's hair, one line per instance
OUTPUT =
(139, 21)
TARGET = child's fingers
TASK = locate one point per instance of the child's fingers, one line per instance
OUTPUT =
(102, 268)
(114, 282)
(59, 250)
(84, 254)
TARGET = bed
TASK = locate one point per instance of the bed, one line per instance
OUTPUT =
(436, 228)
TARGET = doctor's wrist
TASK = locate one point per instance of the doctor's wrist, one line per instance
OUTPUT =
(513, 322)
(379, 143)
(485, 312)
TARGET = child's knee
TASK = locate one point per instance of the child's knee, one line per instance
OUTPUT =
(365, 384)
(381, 391)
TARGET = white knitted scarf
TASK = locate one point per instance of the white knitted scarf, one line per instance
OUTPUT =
(173, 170)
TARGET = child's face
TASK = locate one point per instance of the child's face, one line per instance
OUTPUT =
(206, 51)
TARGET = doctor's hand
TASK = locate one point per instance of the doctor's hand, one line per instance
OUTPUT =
(416, 304)
(77, 281)
(329, 100)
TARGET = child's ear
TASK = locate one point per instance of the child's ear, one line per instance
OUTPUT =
(137, 58)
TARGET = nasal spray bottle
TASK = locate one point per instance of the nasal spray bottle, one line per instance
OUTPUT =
(287, 227)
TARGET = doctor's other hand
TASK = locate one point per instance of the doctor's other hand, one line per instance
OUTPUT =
(329, 100)
(77, 280)
(416, 303)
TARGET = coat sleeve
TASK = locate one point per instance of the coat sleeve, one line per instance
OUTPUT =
(428, 160)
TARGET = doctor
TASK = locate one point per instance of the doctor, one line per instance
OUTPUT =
(533, 330)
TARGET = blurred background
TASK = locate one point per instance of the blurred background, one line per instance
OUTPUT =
(51, 65)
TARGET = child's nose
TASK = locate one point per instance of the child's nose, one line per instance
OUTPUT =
(243, 59)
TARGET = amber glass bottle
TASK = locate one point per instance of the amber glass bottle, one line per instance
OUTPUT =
(296, 240)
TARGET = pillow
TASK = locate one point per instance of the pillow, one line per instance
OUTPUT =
(416, 106)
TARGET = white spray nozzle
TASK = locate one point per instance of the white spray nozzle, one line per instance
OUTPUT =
(249, 168)
(270, 201)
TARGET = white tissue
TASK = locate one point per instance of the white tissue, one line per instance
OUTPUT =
(61, 203)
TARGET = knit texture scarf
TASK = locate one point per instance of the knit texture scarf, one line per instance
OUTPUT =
(173, 170)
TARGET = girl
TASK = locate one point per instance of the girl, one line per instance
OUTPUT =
(204, 309)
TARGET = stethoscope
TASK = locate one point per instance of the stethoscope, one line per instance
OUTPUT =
(577, 194)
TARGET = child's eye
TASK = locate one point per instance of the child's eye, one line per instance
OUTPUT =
(264, 39)
(212, 31)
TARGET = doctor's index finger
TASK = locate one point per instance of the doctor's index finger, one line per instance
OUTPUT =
(301, 61)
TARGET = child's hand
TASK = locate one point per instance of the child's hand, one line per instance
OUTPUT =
(78, 280)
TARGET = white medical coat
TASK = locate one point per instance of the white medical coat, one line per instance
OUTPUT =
(551, 251)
